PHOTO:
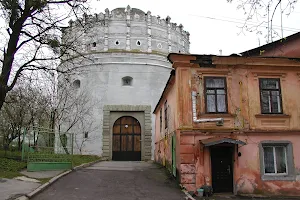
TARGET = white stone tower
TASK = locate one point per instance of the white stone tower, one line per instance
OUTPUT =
(123, 71)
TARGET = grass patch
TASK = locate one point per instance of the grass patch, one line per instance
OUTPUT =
(9, 175)
(44, 180)
(81, 159)
(10, 168)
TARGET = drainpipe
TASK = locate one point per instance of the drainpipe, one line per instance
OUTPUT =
(219, 120)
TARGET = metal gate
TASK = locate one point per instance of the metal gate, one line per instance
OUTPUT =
(47, 149)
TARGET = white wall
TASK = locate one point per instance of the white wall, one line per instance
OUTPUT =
(101, 77)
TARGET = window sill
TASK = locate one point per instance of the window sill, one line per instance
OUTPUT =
(278, 178)
(217, 115)
(272, 116)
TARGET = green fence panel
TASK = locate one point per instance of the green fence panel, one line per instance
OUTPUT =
(48, 150)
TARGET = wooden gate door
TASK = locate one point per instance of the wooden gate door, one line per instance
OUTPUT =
(222, 174)
(127, 139)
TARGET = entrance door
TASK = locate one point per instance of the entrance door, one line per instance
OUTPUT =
(127, 139)
(222, 174)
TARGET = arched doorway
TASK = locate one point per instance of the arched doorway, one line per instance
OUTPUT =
(126, 139)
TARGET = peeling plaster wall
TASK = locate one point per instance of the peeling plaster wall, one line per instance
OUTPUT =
(243, 121)
(195, 165)
(163, 137)
(248, 175)
(243, 97)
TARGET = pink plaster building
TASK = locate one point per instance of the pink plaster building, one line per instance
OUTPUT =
(232, 123)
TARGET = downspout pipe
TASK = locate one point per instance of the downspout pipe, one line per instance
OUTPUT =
(194, 105)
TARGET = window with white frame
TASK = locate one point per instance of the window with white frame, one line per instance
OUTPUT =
(275, 160)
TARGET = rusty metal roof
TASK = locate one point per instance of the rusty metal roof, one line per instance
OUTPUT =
(272, 45)
(219, 140)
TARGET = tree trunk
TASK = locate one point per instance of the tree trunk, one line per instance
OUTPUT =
(9, 55)
(3, 93)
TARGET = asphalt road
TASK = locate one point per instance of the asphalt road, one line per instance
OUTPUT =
(114, 181)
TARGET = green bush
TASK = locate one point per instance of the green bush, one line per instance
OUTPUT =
(7, 165)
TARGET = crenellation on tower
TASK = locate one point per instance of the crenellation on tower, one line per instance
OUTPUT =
(130, 29)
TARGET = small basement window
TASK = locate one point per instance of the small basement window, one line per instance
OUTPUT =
(138, 43)
(76, 84)
(127, 81)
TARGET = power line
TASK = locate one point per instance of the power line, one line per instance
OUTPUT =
(243, 22)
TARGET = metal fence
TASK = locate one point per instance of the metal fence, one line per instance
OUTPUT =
(47, 149)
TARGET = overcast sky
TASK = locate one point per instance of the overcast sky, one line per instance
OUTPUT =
(213, 24)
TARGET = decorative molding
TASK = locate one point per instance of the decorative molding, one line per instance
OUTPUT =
(226, 115)
(126, 22)
(128, 28)
(146, 138)
(106, 17)
(268, 122)
(213, 72)
(169, 25)
(269, 74)
(272, 116)
(149, 32)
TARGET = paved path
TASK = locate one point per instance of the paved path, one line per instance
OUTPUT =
(113, 181)
(10, 188)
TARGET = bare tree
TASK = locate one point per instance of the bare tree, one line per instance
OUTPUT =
(31, 37)
(264, 13)
(83, 135)
(74, 112)
(59, 107)
(25, 106)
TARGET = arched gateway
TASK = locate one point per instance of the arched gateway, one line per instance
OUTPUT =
(126, 139)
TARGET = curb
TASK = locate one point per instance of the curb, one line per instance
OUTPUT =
(54, 179)
(188, 196)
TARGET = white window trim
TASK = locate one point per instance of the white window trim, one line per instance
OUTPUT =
(275, 166)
